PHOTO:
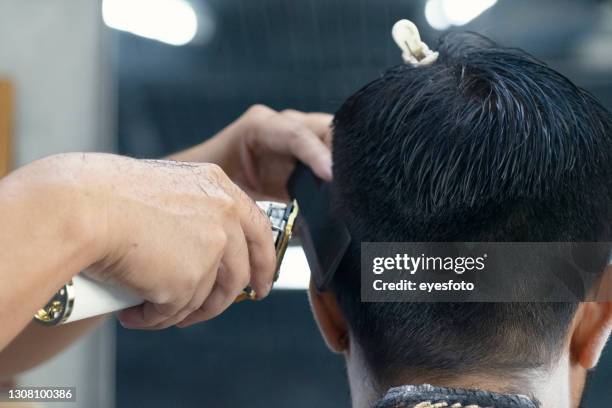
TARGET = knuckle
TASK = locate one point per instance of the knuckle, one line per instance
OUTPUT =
(160, 296)
(212, 176)
(259, 110)
(216, 239)
(297, 136)
(215, 170)
(290, 112)
(227, 205)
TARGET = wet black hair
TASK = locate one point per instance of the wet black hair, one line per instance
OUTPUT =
(485, 144)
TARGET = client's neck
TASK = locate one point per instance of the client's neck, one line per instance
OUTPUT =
(550, 388)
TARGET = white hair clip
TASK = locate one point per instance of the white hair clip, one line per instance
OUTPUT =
(414, 51)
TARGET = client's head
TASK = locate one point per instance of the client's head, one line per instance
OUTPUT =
(485, 144)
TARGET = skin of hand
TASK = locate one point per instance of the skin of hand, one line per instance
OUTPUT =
(183, 237)
(180, 235)
(259, 150)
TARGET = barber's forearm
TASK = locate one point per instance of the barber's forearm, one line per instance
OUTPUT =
(37, 343)
(47, 236)
(221, 149)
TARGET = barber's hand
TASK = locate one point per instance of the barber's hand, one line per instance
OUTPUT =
(180, 235)
(258, 151)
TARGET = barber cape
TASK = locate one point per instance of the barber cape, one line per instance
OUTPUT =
(428, 396)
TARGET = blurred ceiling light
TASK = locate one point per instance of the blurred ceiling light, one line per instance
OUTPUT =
(441, 14)
(170, 21)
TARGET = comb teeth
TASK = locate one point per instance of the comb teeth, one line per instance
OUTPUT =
(429, 404)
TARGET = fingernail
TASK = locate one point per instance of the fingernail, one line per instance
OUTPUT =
(129, 319)
(326, 164)
(126, 324)
(268, 289)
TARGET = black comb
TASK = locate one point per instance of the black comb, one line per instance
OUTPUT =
(324, 237)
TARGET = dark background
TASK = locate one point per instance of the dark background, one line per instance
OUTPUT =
(308, 55)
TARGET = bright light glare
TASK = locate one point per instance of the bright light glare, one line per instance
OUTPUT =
(294, 271)
(171, 21)
(441, 14)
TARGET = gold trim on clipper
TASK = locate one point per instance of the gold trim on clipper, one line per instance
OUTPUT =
(59, 308)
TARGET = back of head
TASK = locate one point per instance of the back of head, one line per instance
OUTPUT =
(485, 144)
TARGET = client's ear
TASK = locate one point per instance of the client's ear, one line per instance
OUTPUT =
(592, 327)
(329, 318)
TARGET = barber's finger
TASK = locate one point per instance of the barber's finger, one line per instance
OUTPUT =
(258, 235)
(318, 122)
(230, 271)
(232, 278)
(131, 317)
(234, 275)
(148, 315)
(307, 140)
(215, 304)
(201, 293)
(312, 151)
(292, 135)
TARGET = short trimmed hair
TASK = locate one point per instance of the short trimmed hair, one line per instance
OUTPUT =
(485, 144)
